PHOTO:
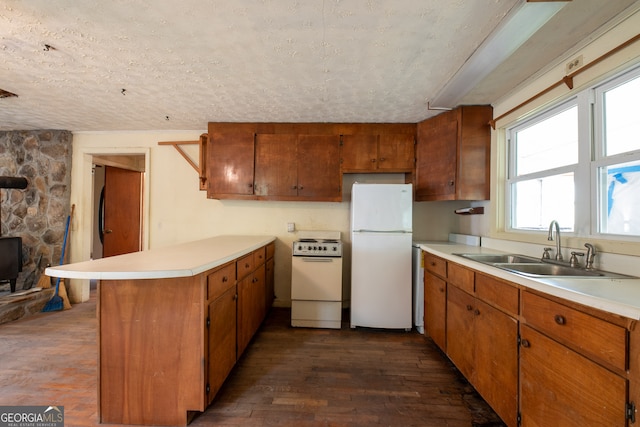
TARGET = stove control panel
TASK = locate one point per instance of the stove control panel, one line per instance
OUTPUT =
(317, 248)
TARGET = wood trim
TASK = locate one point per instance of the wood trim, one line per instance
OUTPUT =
(568, 79)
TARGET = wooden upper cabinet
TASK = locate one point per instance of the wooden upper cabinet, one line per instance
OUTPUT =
(276, 169)
(319, 175)
(396, 152)
(359, 152)
(229, 166)
(378, 153)
(453, 155)
(298, 167)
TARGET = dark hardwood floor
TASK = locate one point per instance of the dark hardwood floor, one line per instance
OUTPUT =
(288, 376)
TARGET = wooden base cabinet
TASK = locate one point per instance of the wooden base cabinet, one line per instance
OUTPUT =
(482, 343)
(573, 366)
(435, 299)
(166, 346)
(559, 387)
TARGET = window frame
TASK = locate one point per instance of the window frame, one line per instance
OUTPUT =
(591, 157)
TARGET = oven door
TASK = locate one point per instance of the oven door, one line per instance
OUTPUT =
(316, 278)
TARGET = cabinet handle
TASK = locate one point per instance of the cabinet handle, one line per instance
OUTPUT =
(294, 187)
(249, 185)
(382, 159)
(451, 183)
(560, 320)
(225, 279)
(441, 289)
(255, 279)
(373, 160)
(525, 343)
(476, 312)
(469, 308)
(433, 264)
(246, 265)
(301, 188)
(235, 296)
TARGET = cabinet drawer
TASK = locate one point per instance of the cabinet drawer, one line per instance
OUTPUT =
(498, 293)
(461, 277)
(245, 265)
(259, 256)
(221, 280)
(593, 337)
(271, 250)
(436, 265)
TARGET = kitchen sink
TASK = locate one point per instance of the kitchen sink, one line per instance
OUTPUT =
(500, 258)
(535, 267)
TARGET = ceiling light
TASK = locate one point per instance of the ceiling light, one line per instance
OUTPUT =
(6, 94)
(522, 21)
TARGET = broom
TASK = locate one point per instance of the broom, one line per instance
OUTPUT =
(56, 303)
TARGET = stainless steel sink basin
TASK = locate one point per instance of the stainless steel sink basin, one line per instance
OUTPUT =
(535, 267)
(547, 269)
(500, 258)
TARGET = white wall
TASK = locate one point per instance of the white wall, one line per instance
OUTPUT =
(177, 211)
(592, 49)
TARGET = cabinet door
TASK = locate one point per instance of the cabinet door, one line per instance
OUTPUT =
(222, 340)
(496, 360)
(437, 157)
(319, 175)
(359, 153)
(435, 308)
(276, 169)
(230, 164)
(251, 309)
(396, 153)
(269, 285)
(559, 387)
(460, 330)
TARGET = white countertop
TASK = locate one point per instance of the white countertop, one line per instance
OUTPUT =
(183, 260)
(618, 296)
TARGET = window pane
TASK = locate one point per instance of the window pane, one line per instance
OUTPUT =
(622, 125)
(539, 201)
(548, 144)
(621, 199)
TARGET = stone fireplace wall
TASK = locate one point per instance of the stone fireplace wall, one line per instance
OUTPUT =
(38, 213)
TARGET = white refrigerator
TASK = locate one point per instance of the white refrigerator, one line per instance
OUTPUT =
(381, 239)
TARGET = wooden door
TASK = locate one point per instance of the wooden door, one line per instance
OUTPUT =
(222, 339)
(460, 330)
(276, 169)
(496, 361)
(435, 309)
(319, 175)
(230, 164)
(396, 152)
(122, 230)
(436, 154)
(559, 387)
(359, 153)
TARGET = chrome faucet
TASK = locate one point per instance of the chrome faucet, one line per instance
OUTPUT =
(591, 254)
(550, 238)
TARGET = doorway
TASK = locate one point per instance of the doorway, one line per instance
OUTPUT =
(117, 224)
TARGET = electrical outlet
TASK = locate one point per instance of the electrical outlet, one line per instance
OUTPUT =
(574, 64)
(291, 227)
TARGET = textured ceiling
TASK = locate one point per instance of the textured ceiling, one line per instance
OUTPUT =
(183, 64)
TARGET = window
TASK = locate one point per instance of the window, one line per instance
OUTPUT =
(579, 163)
(543, 162)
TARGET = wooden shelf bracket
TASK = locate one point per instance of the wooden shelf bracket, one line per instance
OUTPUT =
(200, 167)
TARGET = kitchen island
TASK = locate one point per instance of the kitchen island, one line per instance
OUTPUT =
(172, 323)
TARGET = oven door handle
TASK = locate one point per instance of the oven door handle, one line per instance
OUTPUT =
(316, 259)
